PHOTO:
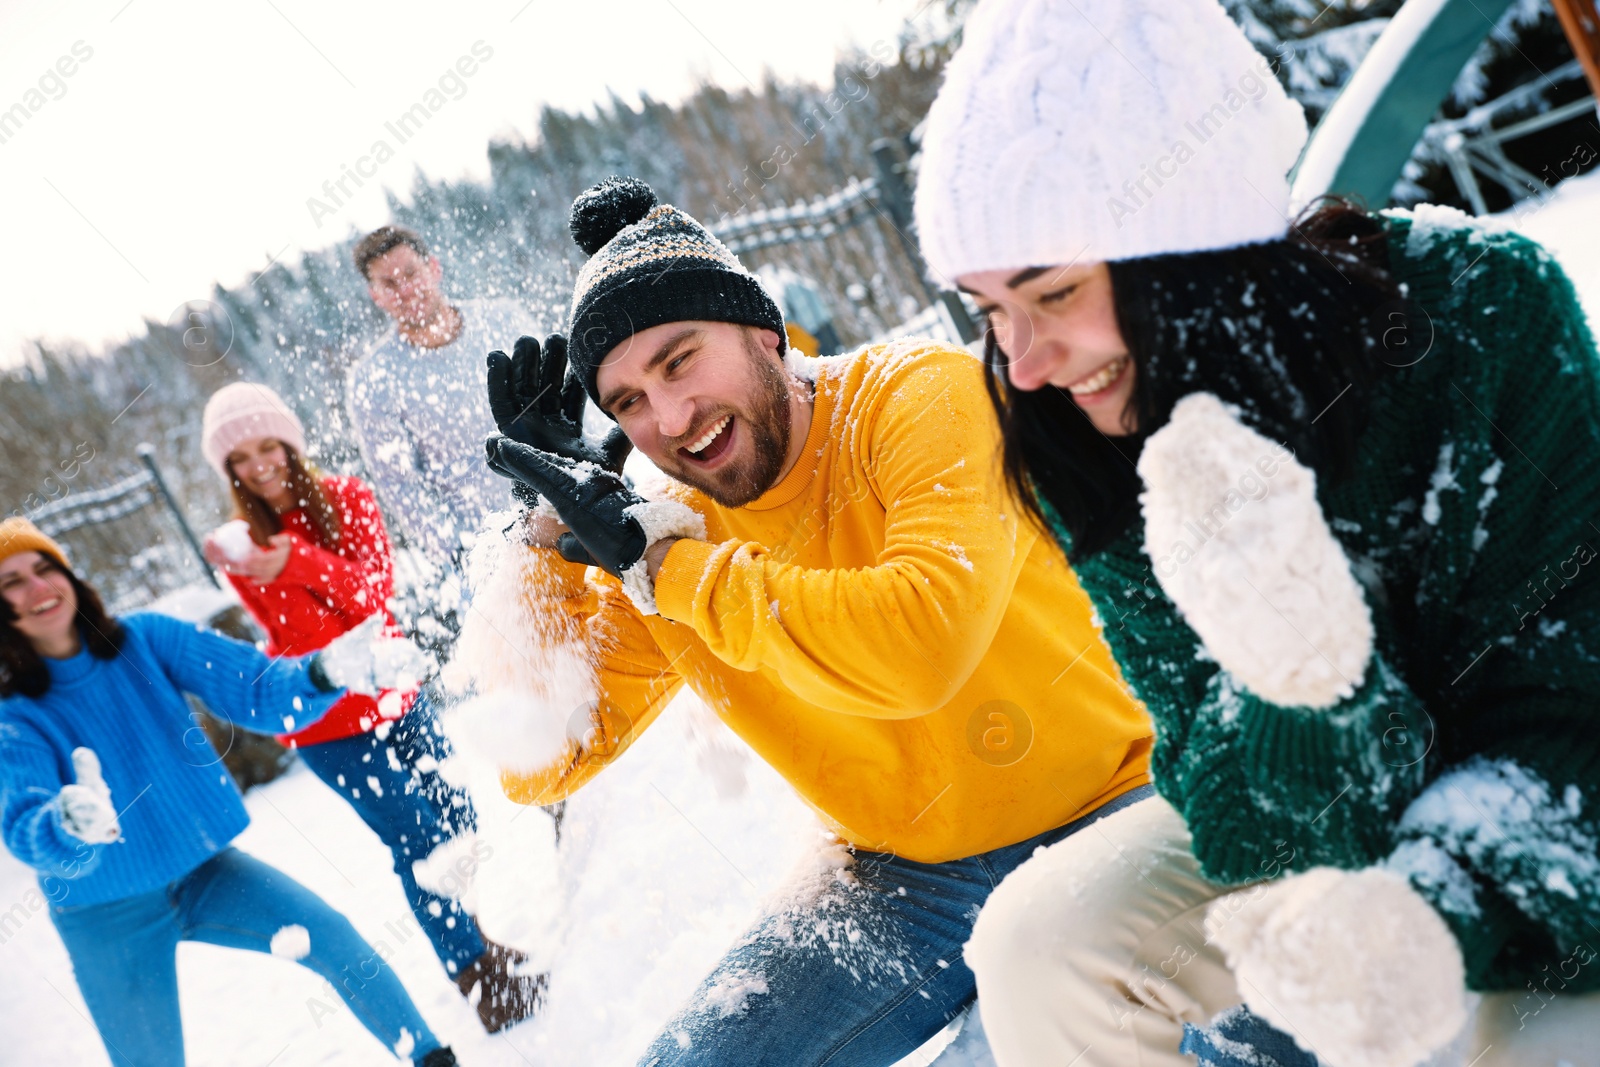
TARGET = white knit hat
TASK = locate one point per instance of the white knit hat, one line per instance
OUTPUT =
(1090, 130)
(238, 412)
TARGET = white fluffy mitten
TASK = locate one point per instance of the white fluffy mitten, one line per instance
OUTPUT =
(1239, 542)
(86, 809)
(366, 660)
(1355, 964)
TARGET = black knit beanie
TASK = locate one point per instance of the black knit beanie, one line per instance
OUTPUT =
(649, 264)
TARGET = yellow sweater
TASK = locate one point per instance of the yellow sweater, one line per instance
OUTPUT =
(878, 627)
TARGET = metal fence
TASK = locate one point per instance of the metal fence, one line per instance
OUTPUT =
(856, 246)
(131, 542)
(1472, 147)
(128, 539)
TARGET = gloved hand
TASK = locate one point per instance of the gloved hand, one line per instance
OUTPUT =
(1356, 964)
(86, 809)
(591, 499)
(366, 660)
(537, 401)
(610, 525)
(1240, 544)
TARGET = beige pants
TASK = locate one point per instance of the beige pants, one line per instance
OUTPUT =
(1094, 953)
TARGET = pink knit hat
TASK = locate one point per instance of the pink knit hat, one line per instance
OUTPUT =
(236, 413)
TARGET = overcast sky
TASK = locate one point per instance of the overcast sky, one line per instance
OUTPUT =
(169, 144)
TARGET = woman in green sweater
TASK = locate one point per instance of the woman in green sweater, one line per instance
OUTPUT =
(1330, 485)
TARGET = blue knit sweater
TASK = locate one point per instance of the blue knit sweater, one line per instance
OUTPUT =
(178, 805)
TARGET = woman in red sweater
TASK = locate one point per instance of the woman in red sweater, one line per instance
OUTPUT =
(310, 559)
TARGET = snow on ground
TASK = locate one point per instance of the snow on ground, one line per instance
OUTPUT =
(656, 876)
(195, 603)
(1568, 224)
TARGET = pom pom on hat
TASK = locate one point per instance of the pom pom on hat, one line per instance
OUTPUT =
(651, 264)
(1092, 130)
(604, 210)
(241, 411)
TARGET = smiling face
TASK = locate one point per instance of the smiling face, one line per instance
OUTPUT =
(262, 466)
(1058, 327)
(41, 599)
(707, 402)
(406, 286)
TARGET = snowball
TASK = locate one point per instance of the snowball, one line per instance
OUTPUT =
(390, 704)
(450, 870)
(291, 943)
(235, 541)
(522, 671)
(819, 874)
(367, 660)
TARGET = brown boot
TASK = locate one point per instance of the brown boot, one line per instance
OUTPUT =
(505, 994)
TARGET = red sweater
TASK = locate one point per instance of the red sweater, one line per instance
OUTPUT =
(320, 594)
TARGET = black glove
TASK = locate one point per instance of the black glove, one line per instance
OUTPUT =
(538, 401)
(590, 500)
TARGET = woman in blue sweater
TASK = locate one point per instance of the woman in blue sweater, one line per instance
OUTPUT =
(110, 791)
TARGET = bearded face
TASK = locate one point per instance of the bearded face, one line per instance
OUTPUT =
(708, 403)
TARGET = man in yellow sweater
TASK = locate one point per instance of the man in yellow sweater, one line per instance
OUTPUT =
(838, 571)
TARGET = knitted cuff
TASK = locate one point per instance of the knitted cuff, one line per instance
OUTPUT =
(1341, 776)
(660, 519)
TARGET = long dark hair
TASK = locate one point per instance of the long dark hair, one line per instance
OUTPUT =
(305, 482)
(22, 669)
(1282, 329)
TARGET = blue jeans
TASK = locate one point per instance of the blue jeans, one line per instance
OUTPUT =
(125, 955)
(861, 972)
(412, 811)
(1240, 1038)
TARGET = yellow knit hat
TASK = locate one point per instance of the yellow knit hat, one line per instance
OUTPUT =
(19, 535)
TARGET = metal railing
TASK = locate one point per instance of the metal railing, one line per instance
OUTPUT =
(813, 220)
(1472, 145)
(884, 198)
(130, 561)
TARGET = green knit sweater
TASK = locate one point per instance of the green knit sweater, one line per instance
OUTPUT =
(1470, 523)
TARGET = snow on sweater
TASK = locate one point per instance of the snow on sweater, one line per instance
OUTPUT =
(421, 416)
(1469, 523)
(178, 806)
(322, 593)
